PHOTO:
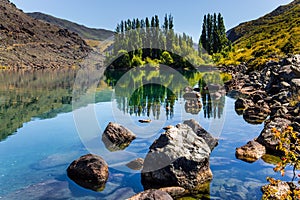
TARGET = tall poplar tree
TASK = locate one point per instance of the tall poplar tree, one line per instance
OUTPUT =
(213, 37)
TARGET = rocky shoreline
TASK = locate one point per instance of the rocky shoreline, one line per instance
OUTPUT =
(178, 161)
(270, 96)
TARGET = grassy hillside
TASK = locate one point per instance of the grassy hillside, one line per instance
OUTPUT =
(268, 38)
(82, 31)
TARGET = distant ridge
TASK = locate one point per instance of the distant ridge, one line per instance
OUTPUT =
(82, 31)
(29, 43)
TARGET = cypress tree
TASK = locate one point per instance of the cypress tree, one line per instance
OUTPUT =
(129, 25)
(156, 21)
(203, 37)
(125, 27)
(143, 25)
(171, 24)
(215, 36)
(222, 32)
(209, 34)
(133, 24)
(166, 24)
(152, 22)
(138, 23)
(122, 26)
(147, 23)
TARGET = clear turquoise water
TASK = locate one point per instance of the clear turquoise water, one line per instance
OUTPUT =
(33, 161)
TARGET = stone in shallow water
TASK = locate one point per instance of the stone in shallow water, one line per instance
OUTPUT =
(89, 171)
(250, 152)
(136, 164)
(267, 136)
(116, 137)
(177, 158)
(151, 195)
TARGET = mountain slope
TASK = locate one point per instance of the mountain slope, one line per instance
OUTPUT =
(269, 37)
(27, 42)
(83, 31)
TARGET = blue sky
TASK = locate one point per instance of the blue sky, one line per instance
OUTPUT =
(188, 14)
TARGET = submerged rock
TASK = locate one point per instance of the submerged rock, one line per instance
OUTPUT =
(151, 195)
(177, 158)
(201, 132)
(89, 171)
(136, 164)
(116, 137)
(250, 152)
(50, 189)
(145, 120)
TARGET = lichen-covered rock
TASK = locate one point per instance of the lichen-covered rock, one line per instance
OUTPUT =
(116, 137)
(201, 132)
(89, 171)
(281, 190)
(177, 158)
(267, 137)
(151, 195)
(250, 152)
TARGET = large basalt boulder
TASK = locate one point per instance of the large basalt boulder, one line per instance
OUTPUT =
(151, 195)
(177, 158)
(116, 137)
(267, 136)
(201, 132)
(250, 152)
(89, 171)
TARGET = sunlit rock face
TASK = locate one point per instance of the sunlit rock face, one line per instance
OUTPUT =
(177, 158)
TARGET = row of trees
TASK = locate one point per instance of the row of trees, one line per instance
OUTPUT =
(213, 37)
(146, 41)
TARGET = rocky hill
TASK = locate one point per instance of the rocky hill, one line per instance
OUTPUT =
(269, 37)
(29, 43)
(82, 31)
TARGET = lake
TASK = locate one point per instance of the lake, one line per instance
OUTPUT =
(51, 117)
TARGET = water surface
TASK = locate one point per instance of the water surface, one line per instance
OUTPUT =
(39, 136)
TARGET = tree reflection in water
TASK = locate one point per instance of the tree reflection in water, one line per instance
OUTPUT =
(149, 98)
